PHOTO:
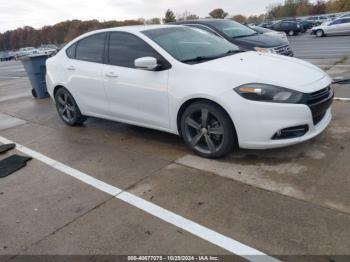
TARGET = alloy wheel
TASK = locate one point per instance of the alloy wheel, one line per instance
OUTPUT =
(319, 33)
(204, 131)
(66, 107)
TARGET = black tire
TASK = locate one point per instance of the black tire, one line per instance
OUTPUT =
(67, 108)
(291, 33)
(319, 33)
(34, 94)
(211, 136)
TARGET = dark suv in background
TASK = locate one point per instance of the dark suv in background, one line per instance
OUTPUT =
(289, 27)
(244, 37)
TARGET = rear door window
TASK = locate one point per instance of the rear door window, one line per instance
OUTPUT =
(71, 51)
(91, 48)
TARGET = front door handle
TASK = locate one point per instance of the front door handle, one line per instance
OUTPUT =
(71, 68)
(111, 75)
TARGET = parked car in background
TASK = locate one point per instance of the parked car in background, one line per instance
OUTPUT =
(306, 25)
(190, 83)
(317, 20)
(7, 55)
(266, 24)
(266, 31)
(344, 16)
(291, 28)
(27, 51)
(340, 26)
(243, 36)
(49, 49)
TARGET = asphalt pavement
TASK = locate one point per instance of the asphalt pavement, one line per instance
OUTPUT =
(11, 70)
(307, 46)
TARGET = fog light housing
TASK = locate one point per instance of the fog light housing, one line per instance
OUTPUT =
(291, 132)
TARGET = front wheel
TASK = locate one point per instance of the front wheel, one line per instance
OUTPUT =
(67, 108)
(291, 33)
(208, 130)
(319, 33)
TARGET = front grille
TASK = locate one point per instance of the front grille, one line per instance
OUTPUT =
(318, 119)
(318, 96)
(319, 102)
(284, 50)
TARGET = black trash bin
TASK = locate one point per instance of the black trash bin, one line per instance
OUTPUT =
(36, 71)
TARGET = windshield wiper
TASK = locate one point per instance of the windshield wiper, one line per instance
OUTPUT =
(208, 58)
(239, 36)
(229, 52)
(199, 59)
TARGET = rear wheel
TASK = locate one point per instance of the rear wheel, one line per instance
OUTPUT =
(34, 94)
(67, 108)
(319, 33)
(208, 130)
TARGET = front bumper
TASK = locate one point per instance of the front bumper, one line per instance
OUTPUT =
(257, 122)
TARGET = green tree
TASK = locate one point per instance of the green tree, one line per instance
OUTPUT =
(169, 17)
(239, 18)
(338, 6)
(218, 13)
(55, 34)
(153, 21)
(192, 17)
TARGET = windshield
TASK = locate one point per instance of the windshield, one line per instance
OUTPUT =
(190, 44)
(261, 30)
(232, 28)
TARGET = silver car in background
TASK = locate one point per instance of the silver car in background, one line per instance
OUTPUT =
(340, 26)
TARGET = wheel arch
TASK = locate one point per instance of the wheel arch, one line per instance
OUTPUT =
(190, 101)
(321, 30)
(56, 89)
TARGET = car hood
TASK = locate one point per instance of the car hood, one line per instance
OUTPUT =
(254, 67)
(258, 40)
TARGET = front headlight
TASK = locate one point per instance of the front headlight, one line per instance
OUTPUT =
(269, 93)
(264, 50)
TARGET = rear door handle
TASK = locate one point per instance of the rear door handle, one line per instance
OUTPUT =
(71, 68)
(111, 75)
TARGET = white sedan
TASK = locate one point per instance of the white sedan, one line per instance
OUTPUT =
(190, 83)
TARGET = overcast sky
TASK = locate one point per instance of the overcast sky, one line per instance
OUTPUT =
(36, 13)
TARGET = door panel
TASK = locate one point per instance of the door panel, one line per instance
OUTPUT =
(345, 26)
(135, 95)
(85, 84)
(334, 28)
(84, 71)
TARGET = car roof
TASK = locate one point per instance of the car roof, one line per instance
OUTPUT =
(134, 28)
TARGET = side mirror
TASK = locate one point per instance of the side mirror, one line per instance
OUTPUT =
(146, 63)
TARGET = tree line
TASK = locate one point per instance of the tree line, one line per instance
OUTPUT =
(65, 31)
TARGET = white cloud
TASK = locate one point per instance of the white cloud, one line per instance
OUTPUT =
(37, 13)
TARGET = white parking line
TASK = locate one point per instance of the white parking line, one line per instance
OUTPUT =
(13, 97)
(11, 77)
(190, 226)
(342, 99)
(335, 65)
